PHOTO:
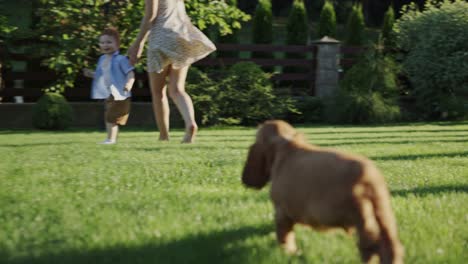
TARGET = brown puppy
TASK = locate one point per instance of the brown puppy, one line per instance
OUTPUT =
(323, 189)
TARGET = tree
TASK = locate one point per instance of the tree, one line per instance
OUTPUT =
(355, 27)
(434, 49)
(5, 31)
(327, 23)
(387, 28)
(5, 28)
(231, 38)
(72, 27)
(262, 27)
(297, 34)
(298, 26)
(342, 9)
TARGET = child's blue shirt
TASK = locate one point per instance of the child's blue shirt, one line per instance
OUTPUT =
(120, 67)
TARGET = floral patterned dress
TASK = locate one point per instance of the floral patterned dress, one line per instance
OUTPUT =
(174, 40)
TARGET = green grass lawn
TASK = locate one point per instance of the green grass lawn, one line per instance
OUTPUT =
(64, 199)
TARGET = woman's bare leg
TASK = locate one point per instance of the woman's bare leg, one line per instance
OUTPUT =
(183, 102)
(160, 102)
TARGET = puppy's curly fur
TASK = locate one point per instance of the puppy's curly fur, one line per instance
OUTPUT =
(323, 189)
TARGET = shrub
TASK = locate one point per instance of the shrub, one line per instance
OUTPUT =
(435, 55)
(203, 91)
(246, 96)
(454, 108)
(263, 28)
(310, 110)
(53, 112)
(357, 108)
(368, 92)
(240, 95)
(327, 23)
(374, 72)
(355, 27)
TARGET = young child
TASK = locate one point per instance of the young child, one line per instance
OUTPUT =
(112, 80)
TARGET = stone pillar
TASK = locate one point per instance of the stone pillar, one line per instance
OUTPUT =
(327, 70)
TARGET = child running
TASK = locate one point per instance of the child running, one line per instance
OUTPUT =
(112, 81)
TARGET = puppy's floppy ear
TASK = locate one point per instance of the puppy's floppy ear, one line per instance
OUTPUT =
(256, 171)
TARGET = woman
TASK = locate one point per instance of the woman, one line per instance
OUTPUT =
(173, 45)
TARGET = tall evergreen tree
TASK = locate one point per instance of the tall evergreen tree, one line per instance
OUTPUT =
(355, 27)
(297, 34)
(263, 27)
(297, 26)
(327, 23)
(387, 28)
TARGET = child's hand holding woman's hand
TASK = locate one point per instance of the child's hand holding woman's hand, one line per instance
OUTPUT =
(134, 52)
(88, 73)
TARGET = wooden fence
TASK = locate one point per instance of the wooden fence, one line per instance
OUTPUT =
(34, 81)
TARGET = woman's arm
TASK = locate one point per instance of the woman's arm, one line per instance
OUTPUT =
(135, 50)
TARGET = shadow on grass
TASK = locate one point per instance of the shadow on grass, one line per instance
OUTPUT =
(227, 139)
(425, 191)
(403, 142)
(215, 247)
(44, 131)
(402, 137)
(39, 144)
(191, 147)
(211, 131)
(423, 156)
(385, 131)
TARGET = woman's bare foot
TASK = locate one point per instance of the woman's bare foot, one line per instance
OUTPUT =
(163, 137)
(190, 134)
